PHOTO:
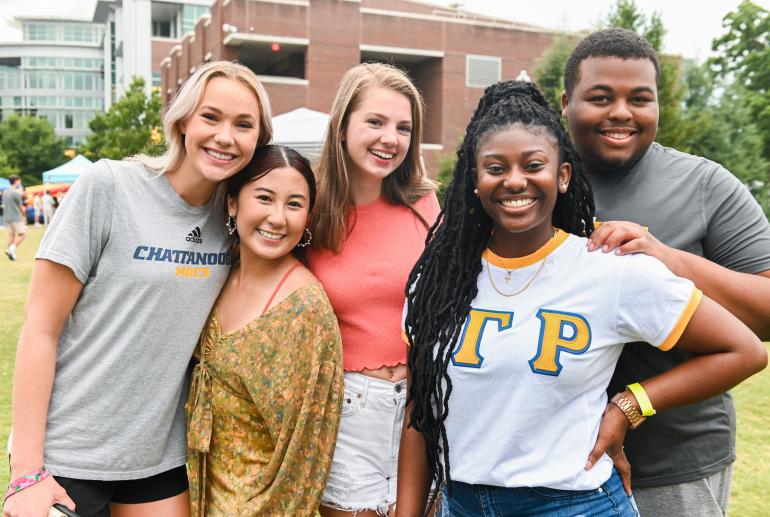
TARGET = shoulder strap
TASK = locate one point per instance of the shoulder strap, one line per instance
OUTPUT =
(278, 287)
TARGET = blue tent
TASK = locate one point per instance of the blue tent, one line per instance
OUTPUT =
(68, 172)
(4, 184)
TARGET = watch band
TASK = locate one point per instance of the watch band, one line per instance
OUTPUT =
(632, 413)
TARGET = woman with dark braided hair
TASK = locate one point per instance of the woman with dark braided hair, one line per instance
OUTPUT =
(515, 328)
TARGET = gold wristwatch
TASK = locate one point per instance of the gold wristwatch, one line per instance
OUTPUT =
(633, 414)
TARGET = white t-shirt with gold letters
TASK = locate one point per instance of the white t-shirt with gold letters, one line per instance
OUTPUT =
(529, 372)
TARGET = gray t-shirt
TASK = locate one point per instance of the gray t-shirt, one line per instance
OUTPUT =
(152, 267)
(695, 205)
(12, 206)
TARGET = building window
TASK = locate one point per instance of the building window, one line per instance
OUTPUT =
(81, 81)
(77, 33)
(40, 32)
(50, 116)
(481, 71)
(190, 15)
(8, 102)
(161, 28)
(54, 63)
(68, 120)
(283, 60)
(113, 55)
(41, 80)
(10, 77)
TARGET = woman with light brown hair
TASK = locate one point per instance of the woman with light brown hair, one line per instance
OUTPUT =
(375, 206)
(123, 282)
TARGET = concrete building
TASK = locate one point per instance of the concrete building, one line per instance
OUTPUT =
(55, 72)
(301, 48)
(139, 34)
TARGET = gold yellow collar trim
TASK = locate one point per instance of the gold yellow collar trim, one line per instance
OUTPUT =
(518, 262)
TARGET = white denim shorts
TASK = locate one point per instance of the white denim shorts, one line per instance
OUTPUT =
(365, 464)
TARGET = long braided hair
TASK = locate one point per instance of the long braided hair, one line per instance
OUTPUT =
(443, 282)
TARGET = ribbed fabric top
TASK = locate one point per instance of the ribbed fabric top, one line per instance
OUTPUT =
(366, 281)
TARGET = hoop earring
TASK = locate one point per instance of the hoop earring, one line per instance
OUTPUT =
(230, 225)
(309, 239)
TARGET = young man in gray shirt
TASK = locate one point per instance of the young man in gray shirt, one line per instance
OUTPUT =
(706, 227)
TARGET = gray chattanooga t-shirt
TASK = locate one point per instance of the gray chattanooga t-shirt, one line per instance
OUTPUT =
(695, 205)
(152, 267)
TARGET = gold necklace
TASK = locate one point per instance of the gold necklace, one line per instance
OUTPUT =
(509, 271)
(529, 282)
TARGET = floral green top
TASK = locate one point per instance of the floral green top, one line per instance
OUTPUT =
(264, 409)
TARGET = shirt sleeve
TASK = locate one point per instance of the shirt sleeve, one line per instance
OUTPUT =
(654, 305)
(81, 227)
(737, 231)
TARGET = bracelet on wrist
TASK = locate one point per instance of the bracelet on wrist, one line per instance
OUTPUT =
(26, 481)
(632, 413)
(641, 397)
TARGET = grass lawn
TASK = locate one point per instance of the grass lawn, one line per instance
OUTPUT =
(750, 497)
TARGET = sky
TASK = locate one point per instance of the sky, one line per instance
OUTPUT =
(691, 24)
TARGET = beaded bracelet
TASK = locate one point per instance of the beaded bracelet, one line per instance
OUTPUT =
(26, 481)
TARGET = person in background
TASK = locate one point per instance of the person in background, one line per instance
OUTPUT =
(701, 222)
(37, 207)
(15, 216)
(48, 203)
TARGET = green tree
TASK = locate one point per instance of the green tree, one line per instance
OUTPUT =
(446, 170)
(31, 147)
(722, 129)
(626, 14)
(131, 126)
(744, 52)
(6, 169)
(549, 72)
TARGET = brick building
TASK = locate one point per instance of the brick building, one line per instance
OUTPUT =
(301, 48)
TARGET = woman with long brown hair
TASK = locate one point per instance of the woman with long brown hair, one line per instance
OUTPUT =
(375, 204)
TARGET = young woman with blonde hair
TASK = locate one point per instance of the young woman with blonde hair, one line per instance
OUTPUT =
(123, 282)
(375, 205)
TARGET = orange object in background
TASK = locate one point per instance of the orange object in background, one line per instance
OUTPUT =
(53, 188)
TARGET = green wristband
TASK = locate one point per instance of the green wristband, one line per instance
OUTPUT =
(641, 397)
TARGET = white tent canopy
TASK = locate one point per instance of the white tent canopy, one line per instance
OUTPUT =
(68, 172)
(303, 130)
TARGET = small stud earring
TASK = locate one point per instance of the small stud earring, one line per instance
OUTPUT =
(476, 191)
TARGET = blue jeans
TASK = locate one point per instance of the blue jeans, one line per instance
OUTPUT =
(490, 501)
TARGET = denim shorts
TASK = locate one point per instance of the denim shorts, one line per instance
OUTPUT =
(365, 463)
(482, 500)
